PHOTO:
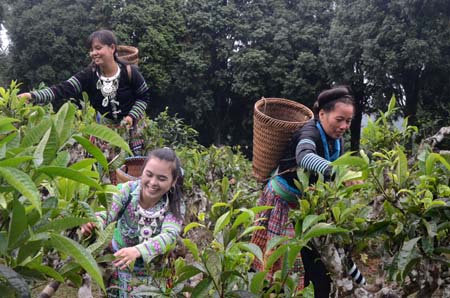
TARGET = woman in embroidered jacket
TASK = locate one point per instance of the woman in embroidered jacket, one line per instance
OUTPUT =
(148, 218)
(113, 92)
(313, 147)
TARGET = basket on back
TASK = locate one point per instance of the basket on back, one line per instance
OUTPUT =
(128, 53)
(274, 122)
(131, 170)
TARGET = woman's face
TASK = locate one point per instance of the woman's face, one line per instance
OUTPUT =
(336, 122)
(156, 179)
(100, 53)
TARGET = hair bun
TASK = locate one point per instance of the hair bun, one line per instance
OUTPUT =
(332, 94)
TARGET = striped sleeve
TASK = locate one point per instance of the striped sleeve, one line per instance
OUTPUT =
(163, 242)
(307, 158)
(72, 88)
(142, 93)
(42, 97)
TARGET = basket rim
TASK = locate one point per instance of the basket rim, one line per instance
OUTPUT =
(264, 100)
(131, 158)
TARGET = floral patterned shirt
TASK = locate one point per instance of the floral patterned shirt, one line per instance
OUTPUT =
(128, 230)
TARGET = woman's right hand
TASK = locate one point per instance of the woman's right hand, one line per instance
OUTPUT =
(26, 95)
(87, 229)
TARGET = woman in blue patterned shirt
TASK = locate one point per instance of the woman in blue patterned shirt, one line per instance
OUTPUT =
(148, 218)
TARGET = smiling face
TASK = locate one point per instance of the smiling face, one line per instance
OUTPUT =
(101, 54)
(337, 121)
(157, 179)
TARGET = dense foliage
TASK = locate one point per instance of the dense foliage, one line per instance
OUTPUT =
(398, 216)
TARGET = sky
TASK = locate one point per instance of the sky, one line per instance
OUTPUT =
(4, 38)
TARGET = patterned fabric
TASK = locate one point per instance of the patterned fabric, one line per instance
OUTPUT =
(277, 224)
(306, 149)
(128, 231)
(132, 98)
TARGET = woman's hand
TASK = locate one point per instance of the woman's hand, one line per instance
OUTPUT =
(26, 95)
(87, 229)
(125, 256)
(127, 121)
(353, 182)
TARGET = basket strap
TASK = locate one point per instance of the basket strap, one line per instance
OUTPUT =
(124, 207)
(276, 173)
(128, 66)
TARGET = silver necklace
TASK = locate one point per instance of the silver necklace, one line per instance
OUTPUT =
(108, 86)
(149, 221)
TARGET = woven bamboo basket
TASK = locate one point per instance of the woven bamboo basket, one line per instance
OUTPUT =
(131, 170)
(274, 122)
(128, 53)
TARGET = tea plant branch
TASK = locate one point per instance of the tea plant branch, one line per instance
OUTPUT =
(438, 137)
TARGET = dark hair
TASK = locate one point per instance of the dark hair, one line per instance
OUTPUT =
(176, 193)
(106, 37)
(327, 99)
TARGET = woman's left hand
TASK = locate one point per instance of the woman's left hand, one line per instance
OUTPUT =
(126, 256)
(353, 182)
(128, 121)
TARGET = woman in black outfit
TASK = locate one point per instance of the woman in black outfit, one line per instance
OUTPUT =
(313, 147)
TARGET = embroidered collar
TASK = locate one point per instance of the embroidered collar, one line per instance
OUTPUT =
(337, 144)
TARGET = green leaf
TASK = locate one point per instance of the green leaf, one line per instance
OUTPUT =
(259, 209)
(23, 184)
(16, 281)
(407, 256)
(244, 217)
(18, 223)
(336, 213)
(321, 229)
(15, 161)
(49, 271)
(257, 282)
(431, 161)
(349, 160)
(310, 220)
(62, 224)
(391, 105)
(70, 174)
(39, 152)
(192, 225)
(108, 135)
(192, 248)
(222, 221)
(187, 272)
(64, 120)
(93, 150)
(251, 230)
(6, 126)
(103, 240)
(78, 253)
(218, 205)
(275, 241)
(202, 288)
(275, 255)
(252, 248)
(402, 167)
(213, 264)
(225, 185)
(34, 135)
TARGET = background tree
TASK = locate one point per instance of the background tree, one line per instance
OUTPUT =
(390, 47)
(46, 46)
(203, 76)
(277, 55)
(157, 28)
